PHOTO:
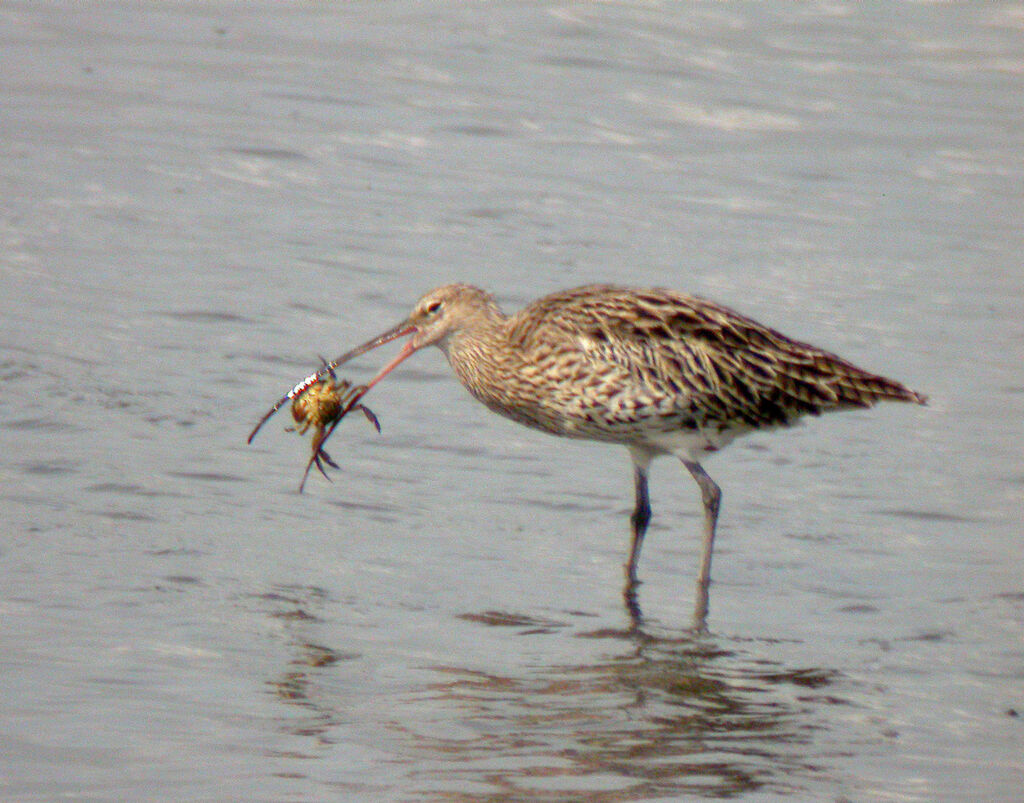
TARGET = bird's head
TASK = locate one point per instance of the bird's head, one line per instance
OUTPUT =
(438, 316)
(447, 311)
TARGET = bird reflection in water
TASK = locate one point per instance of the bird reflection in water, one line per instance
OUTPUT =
(296, 684)
(639, 716)
(656, 718)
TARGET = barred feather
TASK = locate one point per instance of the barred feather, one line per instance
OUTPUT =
(615, 363)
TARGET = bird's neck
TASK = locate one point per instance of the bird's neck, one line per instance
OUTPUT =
(478, 350)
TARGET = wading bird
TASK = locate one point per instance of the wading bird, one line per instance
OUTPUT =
(657, 371)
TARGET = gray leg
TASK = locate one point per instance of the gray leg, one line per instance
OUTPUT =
(639, 519)
(711, 495)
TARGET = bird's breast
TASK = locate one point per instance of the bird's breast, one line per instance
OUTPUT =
(572, 400)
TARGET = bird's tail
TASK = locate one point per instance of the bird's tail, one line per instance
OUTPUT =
(860, 388)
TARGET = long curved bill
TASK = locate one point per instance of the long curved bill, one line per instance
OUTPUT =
(402, 329)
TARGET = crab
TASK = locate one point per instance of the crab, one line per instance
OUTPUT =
(320, 402)
(320, 407)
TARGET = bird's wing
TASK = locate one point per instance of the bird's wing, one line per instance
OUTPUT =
(714, 362)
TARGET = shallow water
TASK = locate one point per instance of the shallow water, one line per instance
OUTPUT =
(198, 199)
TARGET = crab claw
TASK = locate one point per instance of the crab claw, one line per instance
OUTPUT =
(370, 416)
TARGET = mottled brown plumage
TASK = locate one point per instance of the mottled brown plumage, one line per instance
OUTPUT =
(618, 364)
(657, 371)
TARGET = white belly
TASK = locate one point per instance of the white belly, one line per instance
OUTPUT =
(692, 445)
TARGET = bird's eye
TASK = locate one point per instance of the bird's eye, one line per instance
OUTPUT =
(433, 307)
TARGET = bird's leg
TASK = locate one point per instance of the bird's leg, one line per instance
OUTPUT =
(639, 519)
(711, 495)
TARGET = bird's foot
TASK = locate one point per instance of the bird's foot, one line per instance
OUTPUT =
(629, 596)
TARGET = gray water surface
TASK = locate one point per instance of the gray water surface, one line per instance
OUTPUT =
(200, 198)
